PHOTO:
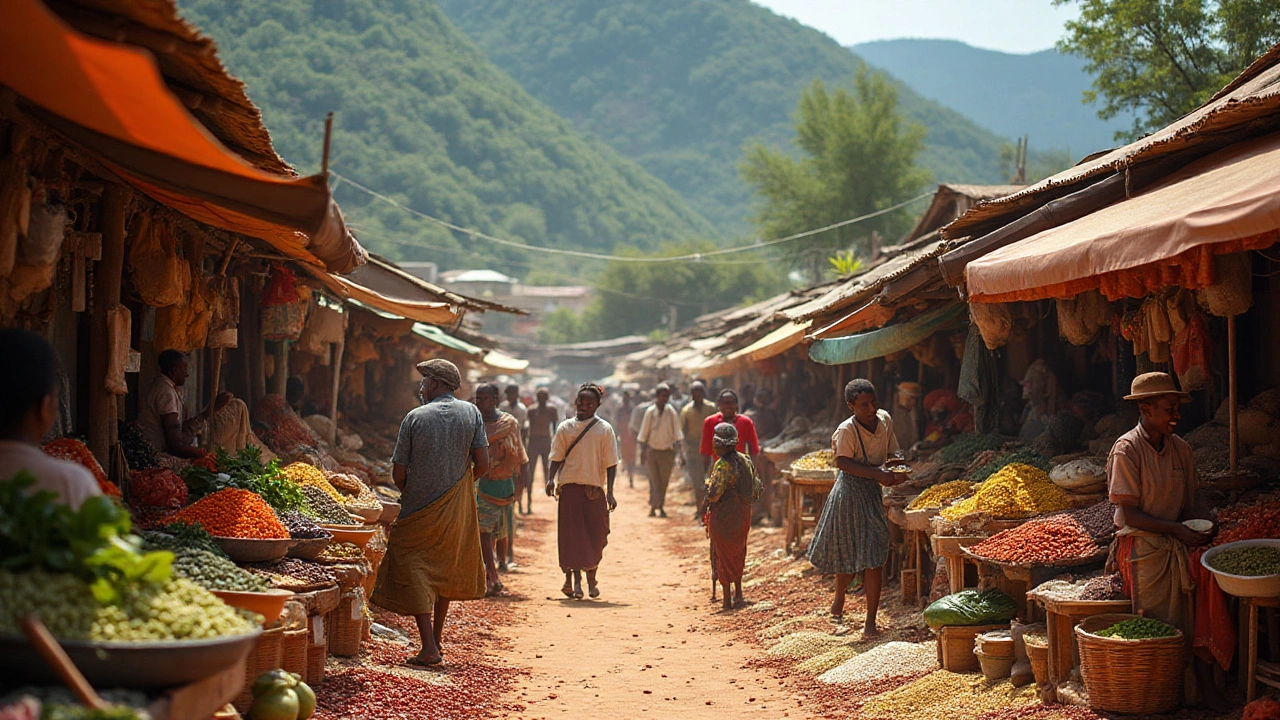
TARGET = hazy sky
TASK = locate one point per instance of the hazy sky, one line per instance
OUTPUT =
(1018, 26)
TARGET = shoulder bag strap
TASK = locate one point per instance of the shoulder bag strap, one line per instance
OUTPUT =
(578, 439)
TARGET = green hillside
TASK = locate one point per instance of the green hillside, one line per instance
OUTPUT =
(1039, 94)
(681, 86)
(421, 115)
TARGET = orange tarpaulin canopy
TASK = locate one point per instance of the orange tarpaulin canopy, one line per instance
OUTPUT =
(111, 99)
(1228, 201)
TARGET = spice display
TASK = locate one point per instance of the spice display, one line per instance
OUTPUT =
(176, 610)
(341, 551)
(1021, 456)
(214, 572)
(1249, 521)
(301, 527)
(1097, 519)
(1138, 629)
(804, 645)
(816, 460)
(292, 573)
(158, 487)
(966, 446)
(947, 694)
(237, 514)
(305, 474)
(245, 471)
(138, 451)
(79, 453)
(1045, 541)
(1016, 491)
(891, 659)
(1248, 561)
(819, 664)
(324, 508)
(939, 495)
(355, 494)
(1092, 587)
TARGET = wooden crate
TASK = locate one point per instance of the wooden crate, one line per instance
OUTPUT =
(955, 646)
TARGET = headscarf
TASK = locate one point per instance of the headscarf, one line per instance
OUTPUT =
(442, 371)
(726, 436)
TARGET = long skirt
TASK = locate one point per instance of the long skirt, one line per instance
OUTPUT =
(853, 532)
(728, 524)
(582, 526)
(433, 554)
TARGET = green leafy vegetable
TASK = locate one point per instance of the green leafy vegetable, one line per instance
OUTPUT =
(245, 471)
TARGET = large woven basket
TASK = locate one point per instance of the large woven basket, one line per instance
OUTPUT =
(266, 655)
(345, 625)
(1130, 676)
(293, 657)
(317, 652)
(1039, 657)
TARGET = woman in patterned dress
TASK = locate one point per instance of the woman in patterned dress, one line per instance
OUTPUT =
(732, 487)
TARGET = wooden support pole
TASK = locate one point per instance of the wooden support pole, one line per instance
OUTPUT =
(281, 377)
(338, 350)
(107, 280)
(1233, 397)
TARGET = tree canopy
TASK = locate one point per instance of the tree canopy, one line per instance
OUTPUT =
(1163, 58)
(859, 156)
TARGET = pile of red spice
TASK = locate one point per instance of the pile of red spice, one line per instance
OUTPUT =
(1044, 541)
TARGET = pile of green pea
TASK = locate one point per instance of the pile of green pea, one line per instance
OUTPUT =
(205, 564)
(1248, 561)
(176, 610)
(1139, 629)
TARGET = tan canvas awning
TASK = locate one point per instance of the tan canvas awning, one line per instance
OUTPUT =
(1225, 202)
(422, 309)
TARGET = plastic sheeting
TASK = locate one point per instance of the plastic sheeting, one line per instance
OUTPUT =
(895, 338)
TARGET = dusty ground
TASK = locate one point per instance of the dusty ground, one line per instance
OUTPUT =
(652, 643)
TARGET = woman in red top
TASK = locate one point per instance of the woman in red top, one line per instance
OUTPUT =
(747, 441)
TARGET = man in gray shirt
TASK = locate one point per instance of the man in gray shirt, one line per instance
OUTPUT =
(433, 550)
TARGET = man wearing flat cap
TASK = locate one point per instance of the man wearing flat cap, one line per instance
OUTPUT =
(433, 550)
(1151, 480)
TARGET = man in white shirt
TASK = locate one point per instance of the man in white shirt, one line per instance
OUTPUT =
(659, 438)
(28, 410)
(163, 414)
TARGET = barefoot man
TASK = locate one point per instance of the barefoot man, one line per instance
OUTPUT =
(433, 550)
(584, 456)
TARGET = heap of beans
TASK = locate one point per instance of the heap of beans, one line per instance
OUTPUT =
(1103, 587)
(892, 659)
(804, 645)
(939, 495)
(157, 487)
(1015, 491)
(301, 527)
(1138, 629)
(293, 573)
(944, 694)
(819, 664)
(1097, 519)
(177, 610)
(324, 508)
(816, 460)
(310, 475)
(214, 572)
(138, 451)
(1249, 521)
(1045, 541)
(235, 513)
(341, 551)
(1248, 561)
(355, 494)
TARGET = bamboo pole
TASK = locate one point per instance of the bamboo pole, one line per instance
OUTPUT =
(107, 280)
(338, 350)
(1233, 397)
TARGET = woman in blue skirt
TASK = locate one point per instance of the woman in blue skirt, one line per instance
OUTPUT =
(853, 533)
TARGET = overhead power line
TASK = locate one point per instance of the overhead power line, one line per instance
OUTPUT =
(472, 232)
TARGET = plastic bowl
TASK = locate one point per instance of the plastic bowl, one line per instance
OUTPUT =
(245, 550)
(351, 533)
(1258, 586)
(268, 604)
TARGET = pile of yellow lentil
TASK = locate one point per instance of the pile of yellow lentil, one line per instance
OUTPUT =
(1015, 491)
(944, 694)
(939, 495)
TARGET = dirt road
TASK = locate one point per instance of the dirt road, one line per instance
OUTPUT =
(643, 646)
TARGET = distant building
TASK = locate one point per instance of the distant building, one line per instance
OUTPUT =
(537, 300)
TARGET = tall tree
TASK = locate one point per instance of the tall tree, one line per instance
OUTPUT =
(1160, 59)
(859, 156)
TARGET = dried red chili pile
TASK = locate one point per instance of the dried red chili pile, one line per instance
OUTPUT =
(1249, 521)
(158, 487)
(79, 453)
(1044, 541)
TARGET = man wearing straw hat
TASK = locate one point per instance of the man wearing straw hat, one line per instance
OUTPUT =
(1151, 479)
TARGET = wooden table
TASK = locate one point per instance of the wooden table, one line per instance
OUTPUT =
(1017, 580)
(798, 489)
(1256, 671)
(948, 547)
(202, 698)
(1061, 617)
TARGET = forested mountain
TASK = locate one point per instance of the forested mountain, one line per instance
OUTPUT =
(1038, 94)
(681, 86)
(423, 116)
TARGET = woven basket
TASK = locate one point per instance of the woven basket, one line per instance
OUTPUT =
(955, 645)
(1039, 657)
(1130, 676)
(317, 653)
(266, 655)
(345, 625)
(293, 656)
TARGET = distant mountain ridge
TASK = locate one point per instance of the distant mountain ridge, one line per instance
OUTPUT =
(682, 86)
(1038, 94)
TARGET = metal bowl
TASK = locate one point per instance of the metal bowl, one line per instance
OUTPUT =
(244, 550)
(140, 666)
(1258, 586)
